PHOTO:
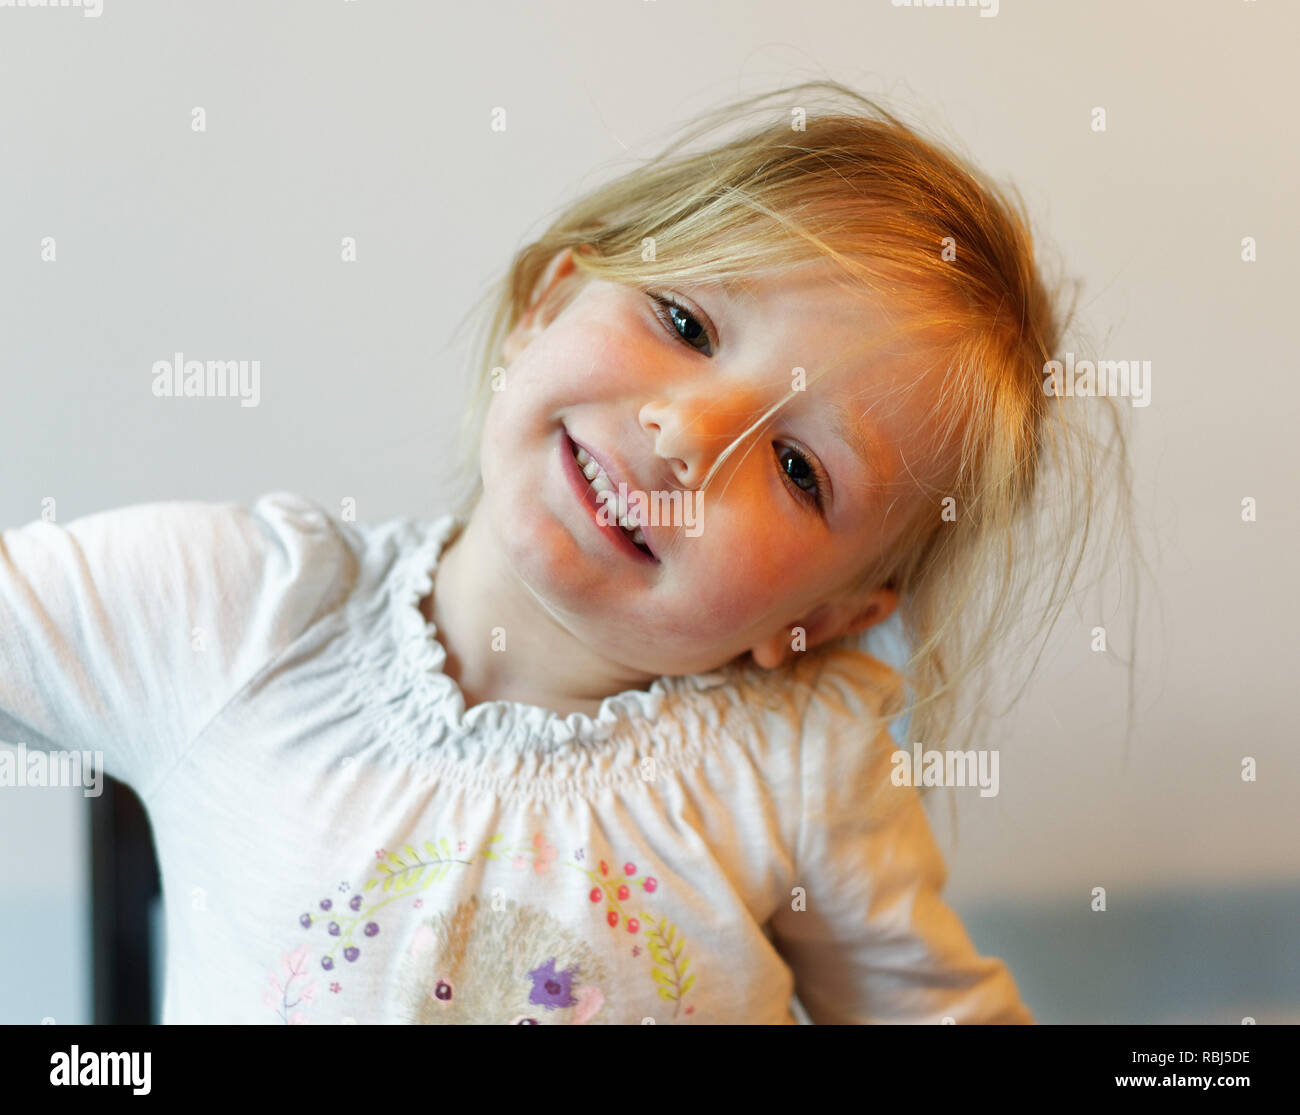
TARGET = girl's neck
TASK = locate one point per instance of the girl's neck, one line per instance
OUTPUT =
(537, 664)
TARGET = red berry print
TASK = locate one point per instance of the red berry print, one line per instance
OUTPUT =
(597, 894)
(633, 925)
(604, 868)
(629, 869)
(612, 918)
(650, 884)
(623, 892)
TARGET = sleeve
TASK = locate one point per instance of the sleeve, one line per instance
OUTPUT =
(123, 633)
(875, 942)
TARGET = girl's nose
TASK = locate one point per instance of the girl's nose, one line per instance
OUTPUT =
(691, 432)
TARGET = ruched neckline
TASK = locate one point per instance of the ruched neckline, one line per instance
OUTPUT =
(424, 659)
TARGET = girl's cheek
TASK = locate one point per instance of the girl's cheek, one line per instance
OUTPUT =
(737, 583)
(739, 549)
(726, 599)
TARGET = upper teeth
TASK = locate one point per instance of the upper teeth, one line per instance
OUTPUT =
(601, 483)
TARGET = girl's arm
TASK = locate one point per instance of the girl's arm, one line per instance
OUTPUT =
(125, 632)
(876, 943)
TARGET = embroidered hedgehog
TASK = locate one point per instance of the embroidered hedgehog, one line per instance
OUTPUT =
(515, 965)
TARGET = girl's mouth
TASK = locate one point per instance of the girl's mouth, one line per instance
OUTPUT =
(588, 481)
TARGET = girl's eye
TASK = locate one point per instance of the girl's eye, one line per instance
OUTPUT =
(681, 322)
(807, 478)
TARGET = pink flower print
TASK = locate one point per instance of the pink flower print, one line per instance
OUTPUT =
(335, 988)
(282, 996)
(545, 854)
(461, 845)
(419, 902)
(636, 950)
(295, 963)
(519, 863)
(380, 853)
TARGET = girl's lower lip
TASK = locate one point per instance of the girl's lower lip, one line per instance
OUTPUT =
(587, 494)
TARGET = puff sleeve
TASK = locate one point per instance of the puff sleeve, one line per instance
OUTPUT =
(876, 943)
(126, 631)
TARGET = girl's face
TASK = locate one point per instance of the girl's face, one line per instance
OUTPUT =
(655, 393)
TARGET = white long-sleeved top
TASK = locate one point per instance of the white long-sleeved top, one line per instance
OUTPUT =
(340, 840)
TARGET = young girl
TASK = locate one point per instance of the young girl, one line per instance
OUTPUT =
(528, 764)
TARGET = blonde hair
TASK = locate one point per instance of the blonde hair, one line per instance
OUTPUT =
(920, 231)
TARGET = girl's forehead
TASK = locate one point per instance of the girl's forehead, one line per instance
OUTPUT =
(815, 319)
(816, 291)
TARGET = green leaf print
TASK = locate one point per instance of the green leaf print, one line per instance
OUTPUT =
(666, 944)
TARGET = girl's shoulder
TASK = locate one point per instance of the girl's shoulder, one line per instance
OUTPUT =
(849, 684)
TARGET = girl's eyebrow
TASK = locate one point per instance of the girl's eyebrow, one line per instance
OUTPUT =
(847, 426)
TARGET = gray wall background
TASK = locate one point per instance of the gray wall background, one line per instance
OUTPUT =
(328, 119)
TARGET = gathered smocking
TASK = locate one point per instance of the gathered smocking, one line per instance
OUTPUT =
(395, 675)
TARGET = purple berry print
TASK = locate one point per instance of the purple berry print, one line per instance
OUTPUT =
(326, 963)
(325, 903)
(356, 902)
(305, 921)
(371, 928)
(351, 953)
(334, 929)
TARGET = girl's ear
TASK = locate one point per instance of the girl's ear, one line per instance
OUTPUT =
(827, 622)
(540, 311)
(879, 606)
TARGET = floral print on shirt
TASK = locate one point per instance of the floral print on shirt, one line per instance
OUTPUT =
(491, 959)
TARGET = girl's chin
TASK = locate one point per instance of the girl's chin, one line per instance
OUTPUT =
(551, 565)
